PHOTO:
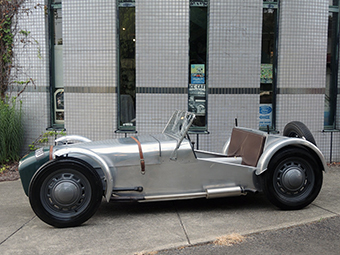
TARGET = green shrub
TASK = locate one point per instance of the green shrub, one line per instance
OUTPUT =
(44, 139)
(11, 129)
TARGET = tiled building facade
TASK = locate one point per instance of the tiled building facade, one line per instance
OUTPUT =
(108, 68)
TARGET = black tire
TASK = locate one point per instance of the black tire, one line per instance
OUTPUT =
(299, 130)
(293, 179)
(65, 192)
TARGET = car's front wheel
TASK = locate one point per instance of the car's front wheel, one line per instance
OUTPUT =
(65, 192)
(293, 179)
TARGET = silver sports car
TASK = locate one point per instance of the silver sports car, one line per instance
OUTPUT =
(66, 182)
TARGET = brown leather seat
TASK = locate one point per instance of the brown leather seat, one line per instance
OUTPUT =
(246, 144)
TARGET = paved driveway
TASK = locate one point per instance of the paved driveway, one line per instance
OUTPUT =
(131, 228)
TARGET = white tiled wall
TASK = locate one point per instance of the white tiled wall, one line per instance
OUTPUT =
(235, 43)
(31, 59)
(91, 114)
(234, 62)
(89, 53)
(162, 61)
(162, 44)
(302, 64)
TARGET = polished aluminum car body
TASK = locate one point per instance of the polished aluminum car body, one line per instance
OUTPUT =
(166, 166)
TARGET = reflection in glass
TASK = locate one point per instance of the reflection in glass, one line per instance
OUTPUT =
(127, 67)
(57, 61)
(198, 58)
(334, 2)
(58, 49)
(267, 67)
(331, 71)
(58, 29)
(60, 99)
(59, 105)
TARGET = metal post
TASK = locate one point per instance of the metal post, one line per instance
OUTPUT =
(331, 149)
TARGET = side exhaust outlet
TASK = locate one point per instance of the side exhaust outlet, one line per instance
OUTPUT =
(225, 192)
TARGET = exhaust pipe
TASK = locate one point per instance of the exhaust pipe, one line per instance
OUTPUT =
(225, 192)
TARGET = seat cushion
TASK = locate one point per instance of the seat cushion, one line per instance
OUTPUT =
(246, 144)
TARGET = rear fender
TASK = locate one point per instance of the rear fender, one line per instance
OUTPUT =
(276, 146)
(103, 165)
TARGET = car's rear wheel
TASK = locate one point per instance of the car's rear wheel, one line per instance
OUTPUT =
(65, 192)
(299, 130)
(293, 179)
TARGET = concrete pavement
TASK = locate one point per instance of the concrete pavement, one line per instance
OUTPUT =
(318, 237)
(130, 228)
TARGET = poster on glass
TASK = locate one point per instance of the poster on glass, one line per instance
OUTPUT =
(197, 99)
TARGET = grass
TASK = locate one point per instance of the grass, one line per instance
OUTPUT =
(11, 130)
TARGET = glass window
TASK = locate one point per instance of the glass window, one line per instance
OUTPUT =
(331, 71)
(268, 67)
(197, 91)
(331, 67)
(127, 66)
(57, 76)
(270, 3)
(59, 104)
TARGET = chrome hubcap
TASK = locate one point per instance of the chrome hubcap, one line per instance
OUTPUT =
(66, 192)
(293, 179)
